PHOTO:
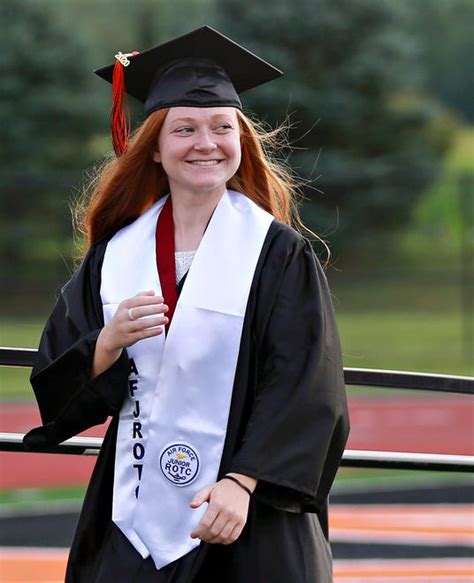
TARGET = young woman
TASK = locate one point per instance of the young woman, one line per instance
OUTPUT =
(201, 321)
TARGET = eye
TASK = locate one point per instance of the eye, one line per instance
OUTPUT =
(224, 126)
(184, 130)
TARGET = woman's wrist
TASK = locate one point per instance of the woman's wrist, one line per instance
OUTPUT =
(247, 481)
(104, 344)
(104, 356)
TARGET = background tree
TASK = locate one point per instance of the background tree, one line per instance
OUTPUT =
(54, 117)
(447, 43)
(370, 134)
(367, 142)
(47, 116)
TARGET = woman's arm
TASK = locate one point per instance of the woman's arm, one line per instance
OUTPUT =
(123, 331)
(68, 399)
(298, 425)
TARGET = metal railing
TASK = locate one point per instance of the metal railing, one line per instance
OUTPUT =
(23, 357)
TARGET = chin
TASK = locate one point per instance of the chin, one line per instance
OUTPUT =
(208, 188)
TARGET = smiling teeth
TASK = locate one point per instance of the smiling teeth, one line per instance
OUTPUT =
(205, 162)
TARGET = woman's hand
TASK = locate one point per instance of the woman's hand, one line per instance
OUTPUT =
(227, 512)
(136, 318)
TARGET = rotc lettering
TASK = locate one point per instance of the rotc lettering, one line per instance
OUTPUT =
(132, 367)
(132, 385)
(180, 464)
(139, 468)
(179, 467)
(138, 451)
(137, 430)
(138, 447)
(136, 411)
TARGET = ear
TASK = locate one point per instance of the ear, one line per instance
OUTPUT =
(157, 156)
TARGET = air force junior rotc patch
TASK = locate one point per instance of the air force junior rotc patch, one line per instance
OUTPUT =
(180, 464)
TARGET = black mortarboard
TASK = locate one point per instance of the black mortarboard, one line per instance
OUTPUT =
(203, 68)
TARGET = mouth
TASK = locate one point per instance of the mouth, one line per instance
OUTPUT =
(213, 162)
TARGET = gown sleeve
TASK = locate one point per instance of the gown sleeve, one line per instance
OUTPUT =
(69, 400)
(298, 426)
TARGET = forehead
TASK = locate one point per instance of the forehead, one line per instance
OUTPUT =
(200, 114)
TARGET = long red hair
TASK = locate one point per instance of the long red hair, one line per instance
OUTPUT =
(123, 188)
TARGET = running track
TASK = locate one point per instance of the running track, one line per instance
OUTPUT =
(435, 424)
(436, 525)
(22, 565)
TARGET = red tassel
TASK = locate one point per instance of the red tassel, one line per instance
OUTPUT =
(120, 115)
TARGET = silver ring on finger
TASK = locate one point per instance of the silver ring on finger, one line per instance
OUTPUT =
(130, 314)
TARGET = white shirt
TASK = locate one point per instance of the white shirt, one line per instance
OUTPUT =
(183, 261)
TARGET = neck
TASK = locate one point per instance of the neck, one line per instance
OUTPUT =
(191, 215)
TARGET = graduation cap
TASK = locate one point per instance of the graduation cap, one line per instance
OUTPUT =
(203, 68)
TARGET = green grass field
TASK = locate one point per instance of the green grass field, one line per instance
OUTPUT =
(347, 480)
(397, 339)
(14, 383)
(423, 342)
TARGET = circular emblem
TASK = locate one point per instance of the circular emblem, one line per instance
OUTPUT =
(180, 464)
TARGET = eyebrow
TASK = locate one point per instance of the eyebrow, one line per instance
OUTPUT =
(192, 119)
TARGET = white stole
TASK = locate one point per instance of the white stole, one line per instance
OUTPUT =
(170, 445)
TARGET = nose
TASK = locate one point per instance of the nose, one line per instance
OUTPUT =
(204, 141)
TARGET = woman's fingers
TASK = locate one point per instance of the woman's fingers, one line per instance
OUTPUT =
(223, 534)
(225, 516)
(137, 325)
(141, 316)
(143, 305)
(142, 311)
(141, 334)
(148, 333)
(234, 535)
(142, 299)
(132, 325)
(214, 532)
(224, 530)
(148, 292)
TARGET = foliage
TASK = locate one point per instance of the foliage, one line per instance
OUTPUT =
(349, 67)
(54, 116)
(442, 226)
(367, 130)
(45, 114)
(444, 29)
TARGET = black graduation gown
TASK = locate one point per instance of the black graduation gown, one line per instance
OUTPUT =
(288, 424)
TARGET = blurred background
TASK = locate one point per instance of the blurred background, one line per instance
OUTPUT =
(379, 99)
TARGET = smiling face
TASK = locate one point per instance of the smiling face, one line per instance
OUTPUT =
(199, 148)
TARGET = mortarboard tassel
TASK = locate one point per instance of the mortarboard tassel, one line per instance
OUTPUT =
(119, 117)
